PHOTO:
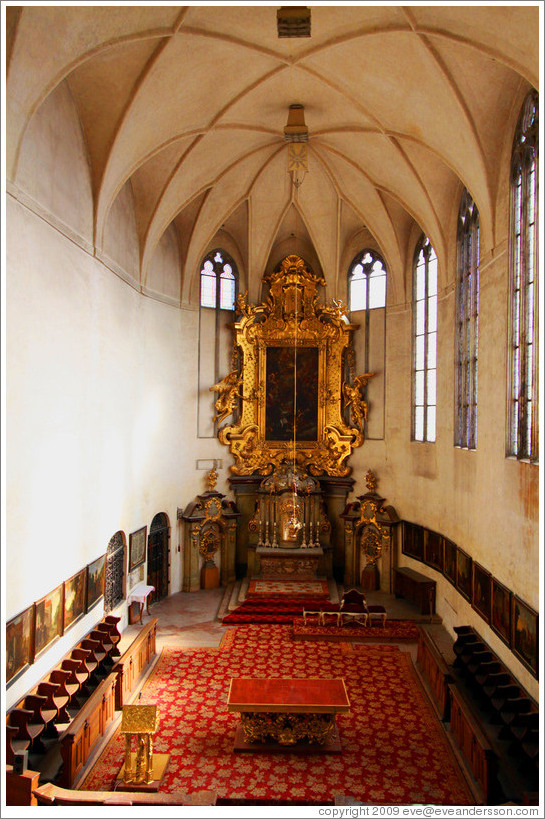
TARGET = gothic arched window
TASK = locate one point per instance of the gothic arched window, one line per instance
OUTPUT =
(218, 280)
(523, 287)
(366, 281)
(424, 342)
(467, 324)
(115, 566)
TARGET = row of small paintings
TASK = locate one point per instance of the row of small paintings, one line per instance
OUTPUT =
(513, 620)
(32, 631)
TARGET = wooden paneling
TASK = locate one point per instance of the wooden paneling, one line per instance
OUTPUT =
(474, 744)
(436, 671)
(130, 667)
(86, 729)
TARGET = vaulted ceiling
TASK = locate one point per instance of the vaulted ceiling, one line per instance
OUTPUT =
(404, 106)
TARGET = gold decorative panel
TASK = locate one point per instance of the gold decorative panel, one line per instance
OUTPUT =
(286, 393)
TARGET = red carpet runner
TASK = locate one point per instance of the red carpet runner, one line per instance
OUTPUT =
(270, 610)
(394, 748)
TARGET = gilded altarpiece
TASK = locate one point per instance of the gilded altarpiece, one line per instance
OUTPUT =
(290, 355)
(293, 396)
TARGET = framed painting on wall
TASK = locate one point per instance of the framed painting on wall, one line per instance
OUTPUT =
(74, 598)
(501, 611)
(137, 548)
(48, 619)
(19, 648)
(95, 581)
(482, 591)
(413, 540)
(433, 550)
(463, 574)
(524, 634)
(449, 560)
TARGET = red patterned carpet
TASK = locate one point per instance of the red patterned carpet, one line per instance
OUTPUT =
(271, 610)
(288, 588)
(394, 748)
(394, 630)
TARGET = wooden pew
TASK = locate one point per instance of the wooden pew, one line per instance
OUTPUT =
(87, 727)
(53, 795)
(20, 787)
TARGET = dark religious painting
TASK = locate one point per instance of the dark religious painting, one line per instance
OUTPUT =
(450, 558)
(291, 394)
(95, 581)
(524, 634)
(413, 540)
(501, 611)
(19, 650)
(463, 574)
(137, 548)
(74, 598)
(48, 622)
(482, 591)
(434, 550)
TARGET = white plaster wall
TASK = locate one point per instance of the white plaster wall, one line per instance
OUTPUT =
(100, 417)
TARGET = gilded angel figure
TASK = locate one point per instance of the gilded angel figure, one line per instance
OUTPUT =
(354, 399)
(228, 389)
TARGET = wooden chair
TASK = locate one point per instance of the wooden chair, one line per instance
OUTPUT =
(353, 608)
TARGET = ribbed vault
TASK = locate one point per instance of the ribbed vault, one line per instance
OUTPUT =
(187, 104)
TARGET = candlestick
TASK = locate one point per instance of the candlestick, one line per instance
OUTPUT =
(267, 543)
(275, 542)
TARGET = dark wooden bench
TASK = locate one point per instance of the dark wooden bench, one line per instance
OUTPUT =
(65, 686)
(499, 693)
(415, 587)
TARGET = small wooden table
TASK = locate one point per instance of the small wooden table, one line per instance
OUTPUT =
(140, 595)
(290, 715)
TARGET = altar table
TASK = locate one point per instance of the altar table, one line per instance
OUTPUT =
(287, 714)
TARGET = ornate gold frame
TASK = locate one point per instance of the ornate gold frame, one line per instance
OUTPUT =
(291, 316)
